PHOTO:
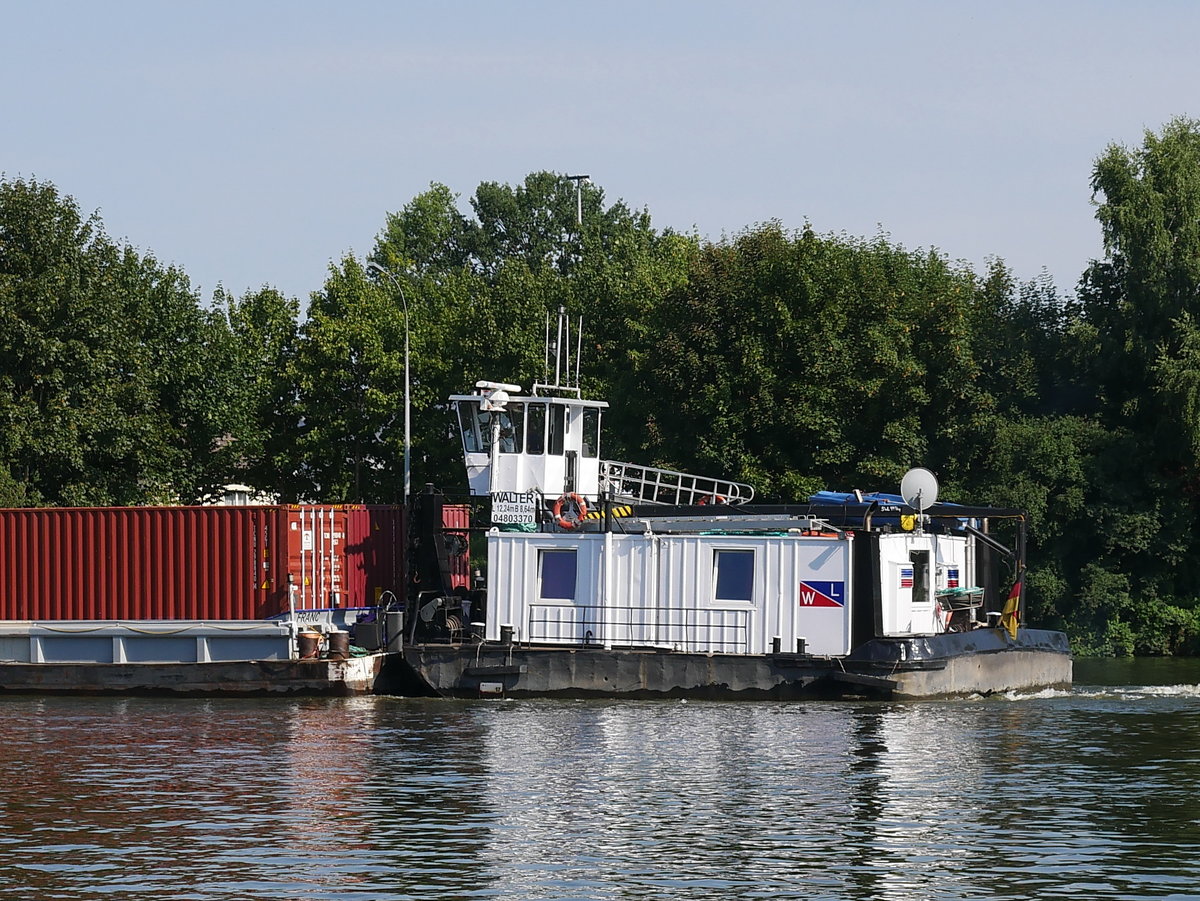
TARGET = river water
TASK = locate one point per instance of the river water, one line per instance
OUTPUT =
(1093, 793)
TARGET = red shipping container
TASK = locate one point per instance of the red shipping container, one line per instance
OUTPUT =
(215, 563)
(344, 555)
(316, 552)
(375, 550)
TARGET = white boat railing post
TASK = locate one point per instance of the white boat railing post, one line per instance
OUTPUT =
(293, 650)
(608, 627)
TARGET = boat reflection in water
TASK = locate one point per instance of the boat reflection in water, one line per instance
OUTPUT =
(1000, 798)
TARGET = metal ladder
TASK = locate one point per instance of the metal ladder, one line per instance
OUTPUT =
(633, 484)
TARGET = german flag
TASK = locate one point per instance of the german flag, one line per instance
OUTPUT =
(1010, 616)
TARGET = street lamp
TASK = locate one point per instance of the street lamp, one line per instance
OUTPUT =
(579, 180)
(375, 267)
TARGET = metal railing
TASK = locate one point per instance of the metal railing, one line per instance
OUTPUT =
(631, 483)
(692, 631)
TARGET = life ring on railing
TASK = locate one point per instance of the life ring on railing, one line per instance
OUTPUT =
(712, 499)
(573, 502)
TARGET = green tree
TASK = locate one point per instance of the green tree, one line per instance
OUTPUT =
(1143, 299)
(350, 392)
(113, 380)
(800, 362)
(428, 235)
(1135, 342)
(264, 329)
(479, 290)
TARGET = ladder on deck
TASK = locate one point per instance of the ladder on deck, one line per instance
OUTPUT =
(632, 484)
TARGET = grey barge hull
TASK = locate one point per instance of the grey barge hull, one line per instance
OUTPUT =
(356, 675)
(181, 657)
(981, 662)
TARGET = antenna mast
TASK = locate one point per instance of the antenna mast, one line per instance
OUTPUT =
(564, 379)
(560, 347)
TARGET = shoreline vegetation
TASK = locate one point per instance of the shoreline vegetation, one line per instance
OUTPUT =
(790, 359)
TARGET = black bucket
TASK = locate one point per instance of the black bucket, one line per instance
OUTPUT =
(395, 631)
(339, 645)
(308, 645)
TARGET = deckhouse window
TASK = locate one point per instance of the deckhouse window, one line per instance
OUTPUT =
(556, 574)
(920, 564)
(733, 575)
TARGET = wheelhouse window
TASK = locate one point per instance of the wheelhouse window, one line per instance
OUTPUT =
(556, 574)
(475, 427)
(512, 421)
(591, 432)
(558, 428)
(733, 575)
(535, 429)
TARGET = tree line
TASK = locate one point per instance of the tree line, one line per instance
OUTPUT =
(792, 360)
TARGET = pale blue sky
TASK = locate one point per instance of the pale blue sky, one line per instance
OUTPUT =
(253, 143)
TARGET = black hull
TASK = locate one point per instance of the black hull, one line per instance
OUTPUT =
(981, 662)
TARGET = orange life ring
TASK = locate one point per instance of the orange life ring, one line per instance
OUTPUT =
(712, 499)
(577, 503)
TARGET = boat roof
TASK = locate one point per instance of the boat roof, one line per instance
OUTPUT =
(536, 398)
(851, 515)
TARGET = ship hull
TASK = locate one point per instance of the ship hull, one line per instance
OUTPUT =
(982, 662)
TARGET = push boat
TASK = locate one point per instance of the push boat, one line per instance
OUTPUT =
(603, 579)
(618, 580)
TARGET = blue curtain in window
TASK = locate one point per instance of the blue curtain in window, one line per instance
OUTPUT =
(735, 575)
(558, 574)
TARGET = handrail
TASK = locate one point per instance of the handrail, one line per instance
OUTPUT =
(633, 483)
(655, 627)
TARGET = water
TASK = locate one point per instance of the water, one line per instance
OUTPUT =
(1092, 793)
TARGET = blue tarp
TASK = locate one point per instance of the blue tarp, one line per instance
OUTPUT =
(846, 497)
(888, 510)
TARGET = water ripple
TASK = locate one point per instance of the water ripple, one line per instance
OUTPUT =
(1080, 794)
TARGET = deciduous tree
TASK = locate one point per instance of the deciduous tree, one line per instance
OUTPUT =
(113, 379)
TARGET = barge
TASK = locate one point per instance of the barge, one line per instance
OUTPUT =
(198, 600)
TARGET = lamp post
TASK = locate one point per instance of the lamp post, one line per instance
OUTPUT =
(375, 267)
(579, 180)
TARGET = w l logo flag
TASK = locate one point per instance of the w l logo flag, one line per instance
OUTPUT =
(822, 594)
(1010, 616)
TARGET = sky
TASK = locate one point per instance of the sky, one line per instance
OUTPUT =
(256, 143)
